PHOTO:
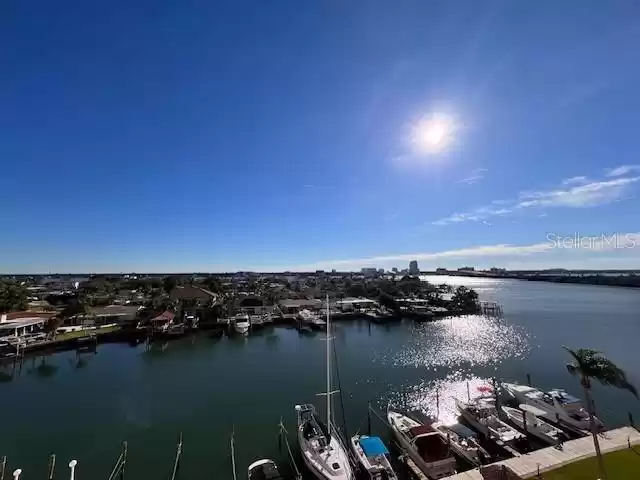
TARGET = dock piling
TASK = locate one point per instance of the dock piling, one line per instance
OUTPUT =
(292, 461)
(176, 463)
(52, 465)
(3, 465)
(125, 447)
(72, 468)
(233, 456)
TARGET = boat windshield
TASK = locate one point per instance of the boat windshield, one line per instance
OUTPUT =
(563, 397)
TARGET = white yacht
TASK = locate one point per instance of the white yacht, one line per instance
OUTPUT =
(320, 445)
(264, 470)
(424, 445)
(241, 323)
(311, 319)
(372, 453)
(526, 419)
(558, 406)
(481, 413)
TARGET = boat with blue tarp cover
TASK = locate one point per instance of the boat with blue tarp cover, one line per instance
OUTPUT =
(371, 453)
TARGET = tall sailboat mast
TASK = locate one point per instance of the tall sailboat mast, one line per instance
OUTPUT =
(328, 370)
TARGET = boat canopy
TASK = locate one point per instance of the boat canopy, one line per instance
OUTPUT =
(373, 446)
(461, 430)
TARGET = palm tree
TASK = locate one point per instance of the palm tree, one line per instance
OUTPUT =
(591, 365)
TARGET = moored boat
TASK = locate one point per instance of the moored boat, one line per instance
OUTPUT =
(241, 323)
(526, 419)
(424, 445)
(311, 319)
(481, 414)
(264, 470)
(321, 447)
(463, 441)
(558, 406)
(372, 453)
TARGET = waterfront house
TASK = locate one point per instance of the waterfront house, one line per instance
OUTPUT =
(163, 321)
(101, 316)
(21, 327)
(293, 306)
(192, 295)
(355, 304)
(251, 305)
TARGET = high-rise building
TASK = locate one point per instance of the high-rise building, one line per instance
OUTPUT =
(369, 271)
(413, 267)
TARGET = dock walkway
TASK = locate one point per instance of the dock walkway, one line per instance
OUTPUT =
(526, 466)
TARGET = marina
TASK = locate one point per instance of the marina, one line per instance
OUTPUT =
(206, 385)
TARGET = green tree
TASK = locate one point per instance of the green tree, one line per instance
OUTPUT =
(356, 290)
(591, 365)
(13, 297)
(169, 283)
(465, 299)
(388, 301)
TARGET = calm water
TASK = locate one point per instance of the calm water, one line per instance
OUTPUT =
(85, 407)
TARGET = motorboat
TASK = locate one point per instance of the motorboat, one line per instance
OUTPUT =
(309, 318)
(558, 406)
(264, 470)
(256, 321)
(463, 441)
(322, 449)
(526, 418)
(424, 445)
(372, 454)
(241, 323)
(381, 315)
(481, 413)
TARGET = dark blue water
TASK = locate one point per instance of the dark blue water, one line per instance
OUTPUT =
(84, 407)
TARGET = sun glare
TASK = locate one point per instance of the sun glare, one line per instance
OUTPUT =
(434, 133)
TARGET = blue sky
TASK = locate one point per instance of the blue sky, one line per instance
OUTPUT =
(179, 136)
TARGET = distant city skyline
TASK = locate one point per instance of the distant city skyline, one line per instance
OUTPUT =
(274, 136)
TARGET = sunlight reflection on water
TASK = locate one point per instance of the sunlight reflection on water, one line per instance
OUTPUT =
(453, 342)
(436, 397)
(453, 348)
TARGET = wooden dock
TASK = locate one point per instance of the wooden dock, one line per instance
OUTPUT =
(540, 461)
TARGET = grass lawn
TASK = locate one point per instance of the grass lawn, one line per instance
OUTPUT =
(86, 333)
(620, 465)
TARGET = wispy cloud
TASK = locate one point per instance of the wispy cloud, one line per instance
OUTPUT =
(549, 252)
(475, 177)
(589, 195)
(569, 195)
(622, 170)
(579, 180)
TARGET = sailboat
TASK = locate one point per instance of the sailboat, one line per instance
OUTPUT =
(321, 447)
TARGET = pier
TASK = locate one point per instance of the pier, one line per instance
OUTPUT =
(531, 465)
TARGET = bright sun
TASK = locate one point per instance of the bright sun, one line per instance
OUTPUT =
(433, 134)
